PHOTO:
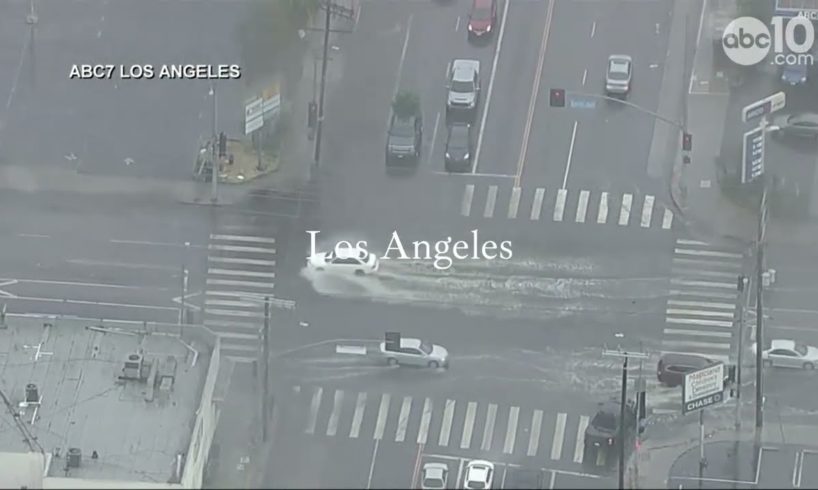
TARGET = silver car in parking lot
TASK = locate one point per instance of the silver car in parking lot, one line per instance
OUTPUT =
(618, 75)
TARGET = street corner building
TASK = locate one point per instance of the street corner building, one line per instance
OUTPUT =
(89, 406)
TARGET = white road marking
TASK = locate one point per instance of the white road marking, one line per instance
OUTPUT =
(514, 202)
(402, 58)
(446, 424)
(570, 155)
(235, 313)
(696, 345)
(457, 24)
(694, 321)
(708, 253)
(244, 238)
(559, 436)
(238, 272)
(468, 196)
(239, 248)
(625, 211)
(704, 284)
(487, 105)
(491, 200)
(701, 304)
(227, 282)
(477, 174)
(337, 403)
(582, 206)
(315, 404)
(123, 265)
(64, 301)
(593, 29)
(536, 208)
(698, 333)
(647, 211)
(383, 412)
(580, 447)
(488, 428)
(434, 138)
(511, 431)
(602, 216)
(468, 425)
(232, 294)
(534, 436)
(686, 271)
(403, 419)
(425, 420)
(154, 244)
(703, 294)
(584, 75)
(358, 416)
(722, 314)
(241, 261)
(32, 235)
(79, 284)
(667, 220)
(17, 72)
(682, 241)
(559, 206)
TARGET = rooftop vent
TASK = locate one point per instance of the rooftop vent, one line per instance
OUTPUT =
(74, 457)
(133, 367)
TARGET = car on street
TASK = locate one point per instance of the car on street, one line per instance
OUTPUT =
(796, 125)
(416, 352)
(794, 74)
(672, 367)
(618, 75)
(464, 87)
(789, 354)
(479, 474)
(602, 433)
(404, 140)
(350, 260)
(459, 152)
(435, 476)
(482, 19)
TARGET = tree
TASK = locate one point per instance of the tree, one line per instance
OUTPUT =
(406, 104)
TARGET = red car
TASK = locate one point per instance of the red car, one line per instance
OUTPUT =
(482, 18)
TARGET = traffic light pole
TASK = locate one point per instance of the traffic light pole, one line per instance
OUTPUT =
(624, 102)
(623, 401)
(322, 93)
(214, 165)
(762, 222)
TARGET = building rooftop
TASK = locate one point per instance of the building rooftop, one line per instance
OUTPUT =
(69, 386)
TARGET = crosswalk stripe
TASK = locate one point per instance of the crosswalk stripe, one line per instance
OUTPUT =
(488, 429)
(707, 253)
(511, 432)
(244, 238)
(704, 284)
(383, 411)
(702, 304)
(403, 419)
(706, 273)
(602, 215)
(702, 294)
(241, 248)
(582, 206)
(559, 436)
(315, 403)
(230, 282)
(358, 416)
(559, 206)
(425, 419)
(683, 241)
(446, 423)
(534, 437)
(468, 425)
(491, 201)
(667, 220)
(514, 203)
(580, 447)
(696, 345)
(236, 313)
(539, 195)
(625, 211)
(698, 333)
(468, 196)
(736, 266)
(224, 302)
(696, 321)
(232, 324)
(238, 260)
(332, 425)
(647, 211)
(718, 314)
(238, 272)
(716, 357)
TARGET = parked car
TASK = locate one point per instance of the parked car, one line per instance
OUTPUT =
(404, 140)
(672, 367)
(482, 19)
(344, 261)
(798, 125)
(789, 354)
(415, 352)
(479, 475)
(435, 476)
(618, 75)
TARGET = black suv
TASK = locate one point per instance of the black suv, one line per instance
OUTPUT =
(602, 434)
(404, 140)
(459, 148)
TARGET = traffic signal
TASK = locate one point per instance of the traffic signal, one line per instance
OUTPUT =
(222, 145)
(731, 374)
(392, 341)
(557, 97)
(687, 142)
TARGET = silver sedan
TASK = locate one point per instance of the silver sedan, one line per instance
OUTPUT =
(789, 354)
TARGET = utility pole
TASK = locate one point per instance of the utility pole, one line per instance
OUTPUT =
(265, 335)
(762, 225)
(214, 173)
(741, 285)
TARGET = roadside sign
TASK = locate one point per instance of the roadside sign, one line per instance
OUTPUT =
(752, 155)
(253, 115)
(703, 388)
(765, 106)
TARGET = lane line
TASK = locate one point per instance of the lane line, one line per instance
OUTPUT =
(244, 238)
(32, 235)
(123, 265)
(490, 87)
(425, 420)
(402, 59)
(358, 416)
(372, 464)
(468, 196)
(511, 432)
(602, 216)
(647, 211)
(446, 424)
(383, 411)
(37, 299)
(535, 89)
(625, 211)
(559, 206)
(536, 208)
(468, 425)
(582, 206)
(534, 437)
(403, 419)
(488, 428)
(337, 403)
(491, 201)
(434, 138)
(559, 436)
(80, 284)
(154, 244)
(315, 404)
(593, 29)
(570, 155)
(514, 203)
(667, 220)
(580, 447)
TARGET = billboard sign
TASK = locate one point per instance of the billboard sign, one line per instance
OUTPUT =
(253, 115)
(703, 388)
(765, 106)
(752, 155)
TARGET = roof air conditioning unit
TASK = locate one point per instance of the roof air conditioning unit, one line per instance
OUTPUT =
(133, 367)
(74, 457)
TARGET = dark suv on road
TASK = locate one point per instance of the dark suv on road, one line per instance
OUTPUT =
(404, 140)
(602, 434)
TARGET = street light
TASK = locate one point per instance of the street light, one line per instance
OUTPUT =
(214, 166)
